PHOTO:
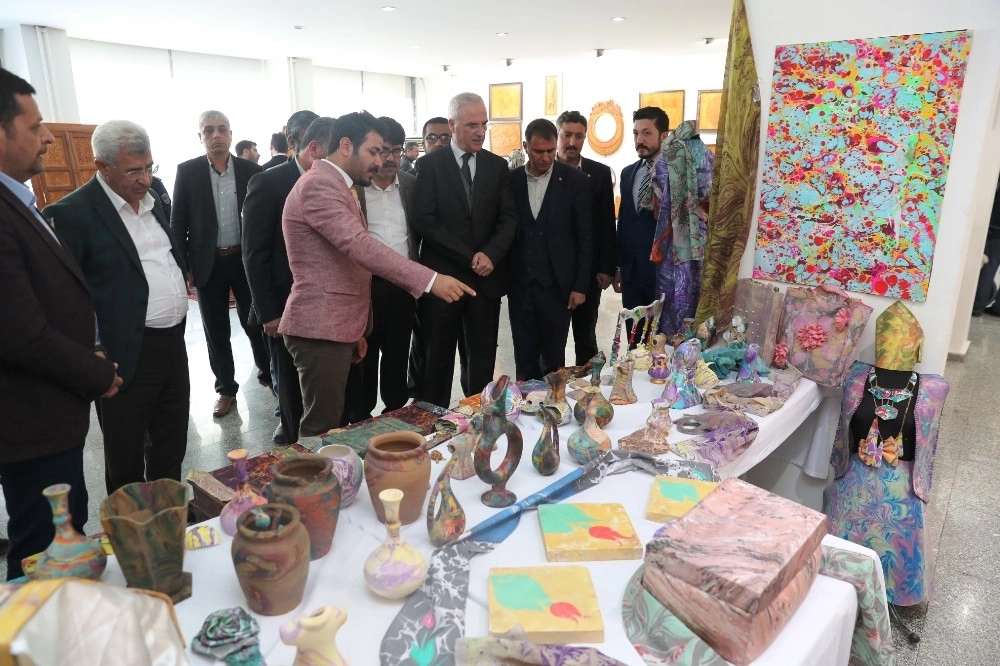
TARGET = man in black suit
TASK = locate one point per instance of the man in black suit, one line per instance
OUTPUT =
(206, 222)
(550, 259)
(51, 367)
(279, 148)
(116, 230)
(266, 263)
(572, 135)
(463, 210)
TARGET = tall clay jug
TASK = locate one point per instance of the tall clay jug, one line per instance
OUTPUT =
(271, 556)
(398, 460)
(70, 555)
(395, 569)
(307, 482)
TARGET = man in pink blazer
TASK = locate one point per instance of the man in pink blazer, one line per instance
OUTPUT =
(332, 258)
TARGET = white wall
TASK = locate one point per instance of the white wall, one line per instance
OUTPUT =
(975, 156)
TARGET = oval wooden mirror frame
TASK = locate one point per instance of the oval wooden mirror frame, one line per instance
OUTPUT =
(605, 147)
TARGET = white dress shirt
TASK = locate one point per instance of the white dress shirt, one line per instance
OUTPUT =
(168, 303)
(386, 219)
(536, 190)
(458, 152)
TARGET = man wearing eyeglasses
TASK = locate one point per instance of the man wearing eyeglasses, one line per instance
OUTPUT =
(119, 235)
(436, 135)
(464, 212)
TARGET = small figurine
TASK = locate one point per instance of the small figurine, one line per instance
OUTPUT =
(685, 362)
(622, 392)
(659, 371)
(596, 365)
(748, 371)
(735, 333)
(658, 344)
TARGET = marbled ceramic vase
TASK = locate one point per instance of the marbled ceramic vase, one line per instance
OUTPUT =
(271, 556)
(245, 497)
(556, 395)
(622, 392)
(596, 366)
(448, 522)
(545, 455)
(641, 358)
(496, 425)
(70, 555)
(512, 399)
(589, 441)
(605, 410)
(307, 482)
(660, 370)
(659, 422)
(395, 569)
(461, 447)
(145, 523)
(658, 344)
(347, 466)
(398, 460)
(314, 637)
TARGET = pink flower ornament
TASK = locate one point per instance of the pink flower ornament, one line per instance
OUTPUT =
(811, 336)
(842, 319)
(780, 359)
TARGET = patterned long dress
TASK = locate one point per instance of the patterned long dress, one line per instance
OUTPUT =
(882, 507)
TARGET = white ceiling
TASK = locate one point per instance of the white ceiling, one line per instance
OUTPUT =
(357, 34)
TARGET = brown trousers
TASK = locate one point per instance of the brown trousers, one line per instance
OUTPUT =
(323, 366)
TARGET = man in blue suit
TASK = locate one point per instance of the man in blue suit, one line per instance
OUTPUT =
(635, 278)
(552, 253)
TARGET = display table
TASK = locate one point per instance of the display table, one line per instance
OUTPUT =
(819, 633)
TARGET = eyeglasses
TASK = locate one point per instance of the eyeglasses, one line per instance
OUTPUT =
(472, 127)
(386, 152)
(434, 138)
(136, 174)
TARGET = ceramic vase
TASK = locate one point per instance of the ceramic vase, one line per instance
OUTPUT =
(245, 497)
(589, 441)
(545, 455)
(556, 395)
(271, 556)
(314, 637)
(640, 358)
(512, 399)
(659, 422)
(605, 410)
(461, 447)
(496, 425)
(660, 370)
(681, 390)
(70, 555)
(658, 344)
(448, 523)
(347, 466)
(622, 392)
(307, 482)
(145, 523)
(398, 460)
(395, 569)
(596, 366)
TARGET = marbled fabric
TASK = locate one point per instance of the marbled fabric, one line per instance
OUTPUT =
(731, 204)
(721, 446)
(882, 507)
(515, 648)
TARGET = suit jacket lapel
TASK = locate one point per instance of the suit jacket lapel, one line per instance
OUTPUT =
(47, 238)
(451, 166)
(112, 220)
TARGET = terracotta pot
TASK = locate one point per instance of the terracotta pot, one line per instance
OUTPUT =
(271, 555)
(398, 460)
(307, 482)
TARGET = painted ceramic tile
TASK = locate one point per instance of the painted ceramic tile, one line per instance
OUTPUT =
(554, 604)
(671, 497)
(587, 532)
(856, 161)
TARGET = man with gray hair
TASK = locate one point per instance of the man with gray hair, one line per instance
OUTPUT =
(206, 222)
(117, 232)
(463, 210)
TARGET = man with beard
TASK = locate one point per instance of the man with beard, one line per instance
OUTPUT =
(332, 258)
(635, 278)
(572, 135)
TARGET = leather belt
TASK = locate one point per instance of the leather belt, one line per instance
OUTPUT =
(226, 251)
(177, 329)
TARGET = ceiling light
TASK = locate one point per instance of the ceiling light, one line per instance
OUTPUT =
(298, 27)
(617, 19)
(501, 34)
(388, 8)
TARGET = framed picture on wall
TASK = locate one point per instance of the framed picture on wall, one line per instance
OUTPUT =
(505, 101)
(671, 101)
(709, 105)
(505, 138)
(551, 95)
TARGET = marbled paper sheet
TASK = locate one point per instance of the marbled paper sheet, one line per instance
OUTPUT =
(856, 161)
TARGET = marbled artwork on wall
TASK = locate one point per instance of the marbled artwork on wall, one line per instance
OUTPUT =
(856, 161)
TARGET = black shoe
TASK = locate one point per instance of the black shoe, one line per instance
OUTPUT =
(279, 436)
(4, 546)
(992, 311)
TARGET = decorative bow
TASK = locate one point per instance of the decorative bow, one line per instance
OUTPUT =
(872, 453)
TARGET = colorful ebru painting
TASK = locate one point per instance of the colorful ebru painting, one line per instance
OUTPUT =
(856, 161)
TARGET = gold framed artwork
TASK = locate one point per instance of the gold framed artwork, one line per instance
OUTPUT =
(605, 142)
(709, 105)
(505, 102)
(671, 101)
(551, 95)
(504, 138)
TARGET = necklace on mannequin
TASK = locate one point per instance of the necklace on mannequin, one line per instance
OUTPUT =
(886, 398)
(873, 449)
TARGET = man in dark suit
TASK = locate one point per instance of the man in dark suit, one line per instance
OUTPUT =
(51, 367)
(636, 275)
(572, 135)
(279, 148)
(206, 221)
(117, 232)
(388, 206)
(266, 263)
(550, 259)
(463, 210)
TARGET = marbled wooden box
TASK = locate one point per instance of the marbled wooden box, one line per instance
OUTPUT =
(736, 566)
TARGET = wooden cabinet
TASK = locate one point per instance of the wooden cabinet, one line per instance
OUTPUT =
(68, 164)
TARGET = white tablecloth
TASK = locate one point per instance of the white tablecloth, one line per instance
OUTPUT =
(819, 634)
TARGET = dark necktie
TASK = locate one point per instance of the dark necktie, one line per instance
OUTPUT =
(645, 198)
(467, 175)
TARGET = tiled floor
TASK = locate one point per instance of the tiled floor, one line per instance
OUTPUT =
(958, 627)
